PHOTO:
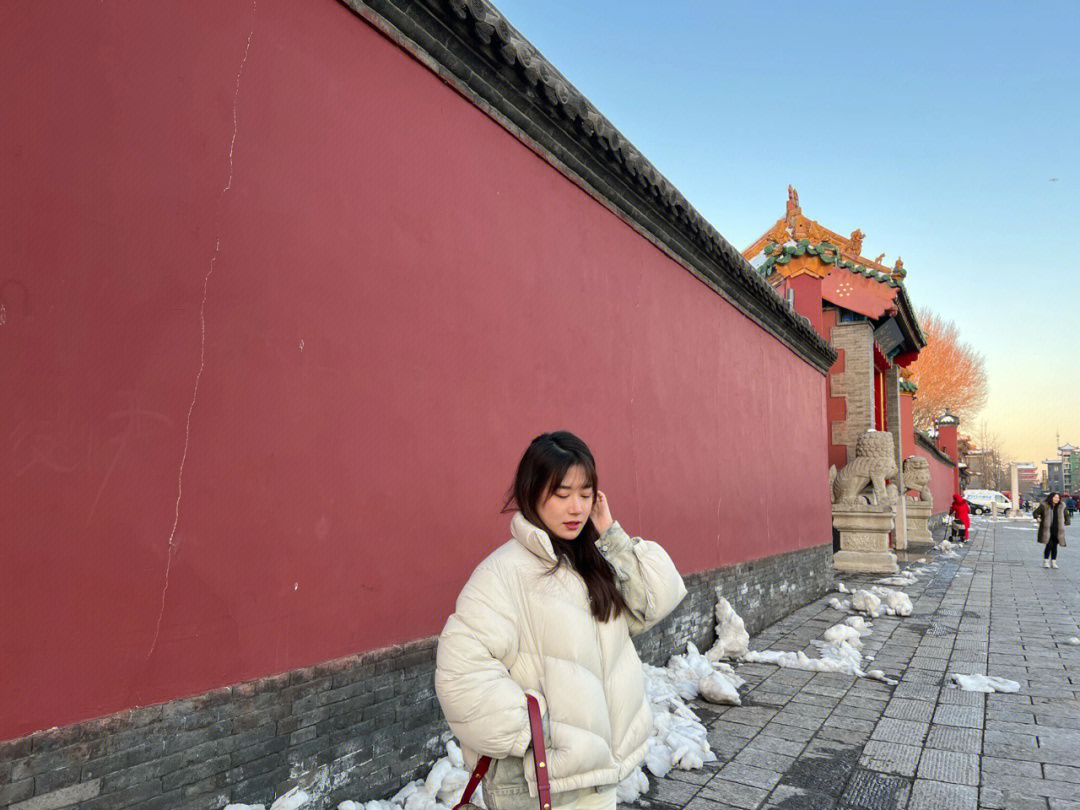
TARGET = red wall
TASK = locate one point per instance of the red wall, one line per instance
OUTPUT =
(941, 480)
(256, 423)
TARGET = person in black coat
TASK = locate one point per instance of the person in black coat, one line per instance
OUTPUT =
(1053, 517)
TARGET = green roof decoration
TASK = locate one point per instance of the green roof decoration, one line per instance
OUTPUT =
(826, 252)
(909, 385)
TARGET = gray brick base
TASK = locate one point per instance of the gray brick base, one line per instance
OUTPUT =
(355, 728)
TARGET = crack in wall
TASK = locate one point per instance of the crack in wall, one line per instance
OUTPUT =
(202, 348)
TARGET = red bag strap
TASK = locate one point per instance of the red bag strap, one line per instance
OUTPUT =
(539, 755)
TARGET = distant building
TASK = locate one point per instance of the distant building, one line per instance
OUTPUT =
(1028, 476)
(1054, 478)
(1070, 467)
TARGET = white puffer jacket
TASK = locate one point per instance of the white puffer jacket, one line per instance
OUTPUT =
(517, 629)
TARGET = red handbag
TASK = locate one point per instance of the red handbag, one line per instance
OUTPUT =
(543, 787)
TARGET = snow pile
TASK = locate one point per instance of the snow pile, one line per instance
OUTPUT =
(946, 549)
(439, 791)
(985, 683)
(842, 588)
(897, 603)
(859, 623)
(732, 640)
(632, 787)
(836, 604)
(690, 672)
(842, 658)
(905, 577)
(290, 801)
(679, 739)
(865, 602)
(878, 675)
(1074, 641)
(844, 632)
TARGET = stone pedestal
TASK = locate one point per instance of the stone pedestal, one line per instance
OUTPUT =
(918, 512)
(864, 539)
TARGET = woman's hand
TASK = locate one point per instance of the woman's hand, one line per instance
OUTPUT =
(601, 513)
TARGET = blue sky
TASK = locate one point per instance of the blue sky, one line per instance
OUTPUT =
(934, 127)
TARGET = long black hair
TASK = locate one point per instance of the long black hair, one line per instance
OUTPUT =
(542, 468)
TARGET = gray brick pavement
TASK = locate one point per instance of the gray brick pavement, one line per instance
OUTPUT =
(820, 741)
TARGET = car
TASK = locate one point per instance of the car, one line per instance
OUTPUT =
(981, 501)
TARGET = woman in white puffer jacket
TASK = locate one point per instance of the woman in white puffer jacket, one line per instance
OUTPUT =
(550, 613)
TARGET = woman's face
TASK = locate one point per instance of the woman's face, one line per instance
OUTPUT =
(567, 507)
(1054, 500)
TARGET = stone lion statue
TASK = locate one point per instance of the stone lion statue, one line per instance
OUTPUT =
(874, 462)
(917, 477)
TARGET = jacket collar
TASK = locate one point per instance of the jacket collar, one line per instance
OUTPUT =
(534, 539)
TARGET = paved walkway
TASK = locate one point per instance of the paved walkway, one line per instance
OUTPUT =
(809, 741)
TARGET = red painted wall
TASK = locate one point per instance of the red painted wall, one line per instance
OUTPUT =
(941, 480)
(808, 300)
(949, 443)
(295, 309)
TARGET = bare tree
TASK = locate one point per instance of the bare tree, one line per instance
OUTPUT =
(993, 464)
(950, 374)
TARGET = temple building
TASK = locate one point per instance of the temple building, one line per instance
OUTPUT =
(861, 306)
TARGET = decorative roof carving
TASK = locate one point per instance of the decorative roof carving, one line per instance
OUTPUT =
(826, 252)
(785, 237)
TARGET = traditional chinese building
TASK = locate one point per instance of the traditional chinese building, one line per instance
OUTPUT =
(860, 305)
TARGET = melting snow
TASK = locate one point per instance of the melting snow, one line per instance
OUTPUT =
(859, 623)
(907, 577)
(844, 632)
(1074, 641)
(985, 683)
(842, 588)
(865, 602)
(896, 602)
(732, 640)
(836, 604)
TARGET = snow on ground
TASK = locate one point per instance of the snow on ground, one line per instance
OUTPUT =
(679, 738)
(946, 549)
(985, 683)
(906, 577)
(865, 602)
(842, 588)
(859, 623)
(732, 640)
(1074, 641)
(844, 632)
(896, 603)
(290, 801)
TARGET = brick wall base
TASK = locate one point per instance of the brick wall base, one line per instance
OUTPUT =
(355, 728)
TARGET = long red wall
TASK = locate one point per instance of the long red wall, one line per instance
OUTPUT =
(284, 309)
(941, 480)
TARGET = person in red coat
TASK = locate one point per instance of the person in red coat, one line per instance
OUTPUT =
(959, 511)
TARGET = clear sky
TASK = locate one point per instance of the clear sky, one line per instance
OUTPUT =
(948, 132)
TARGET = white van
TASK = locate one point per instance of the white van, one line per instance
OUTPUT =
(982, 500)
